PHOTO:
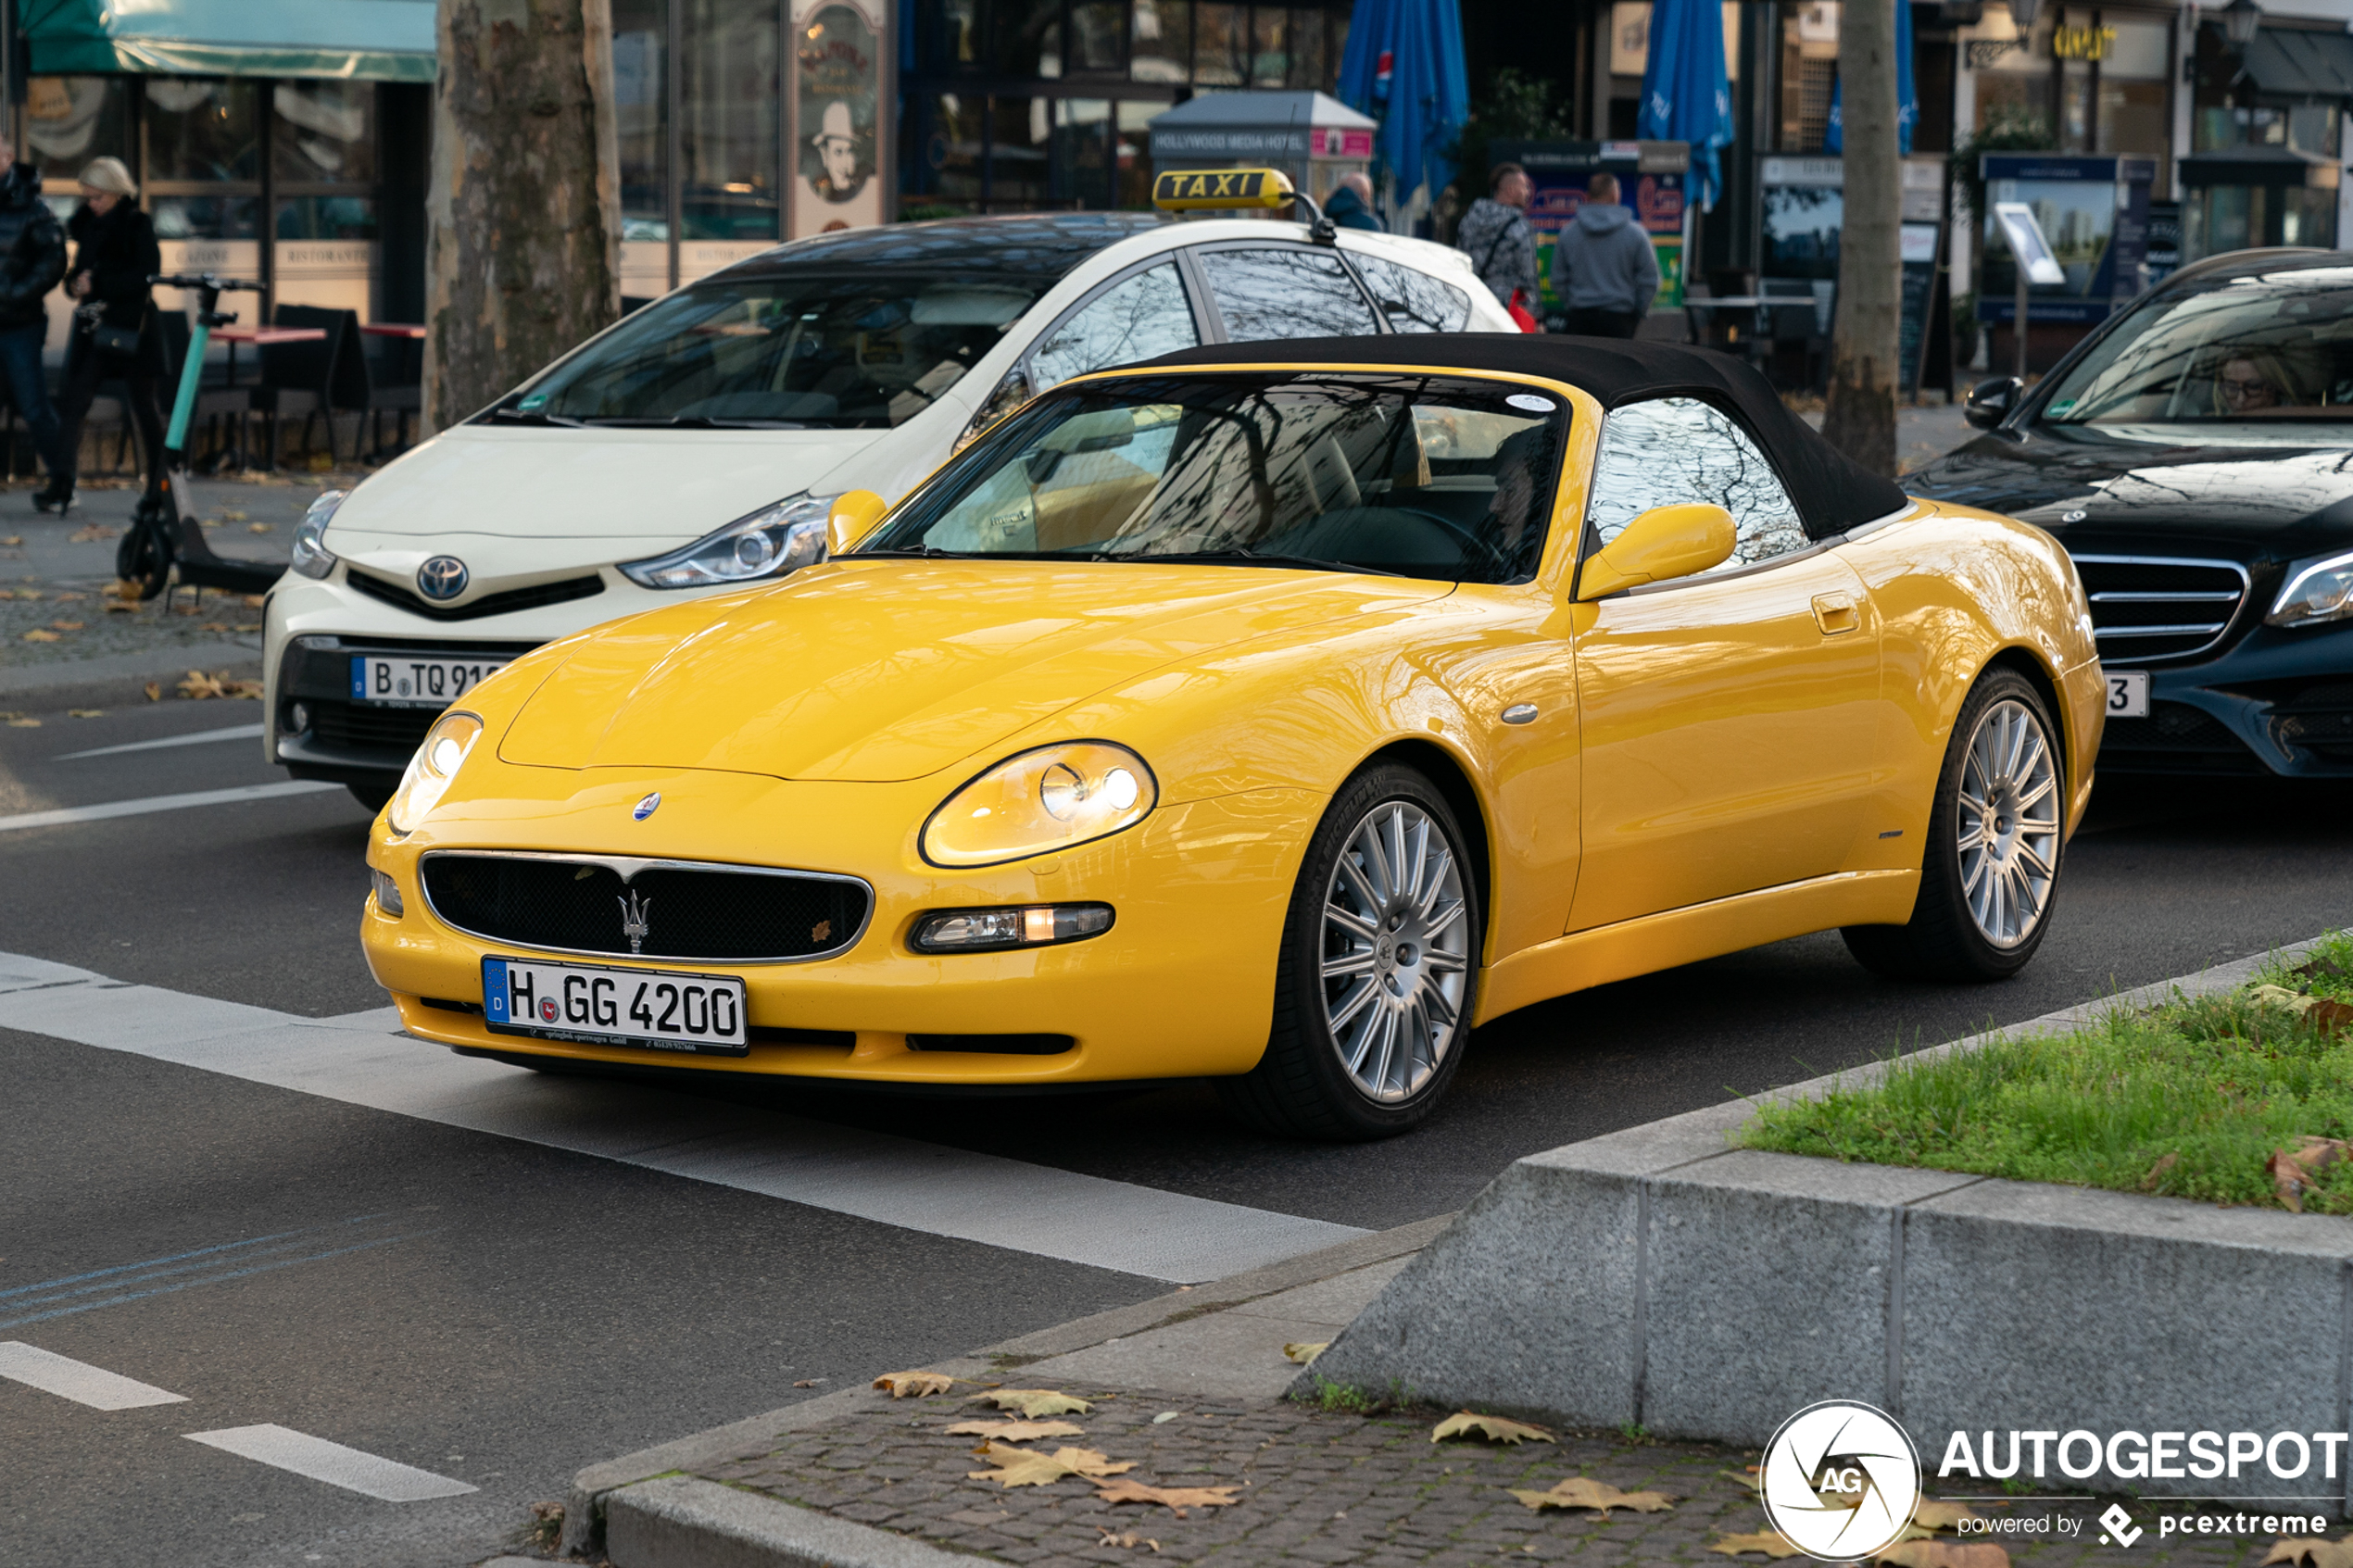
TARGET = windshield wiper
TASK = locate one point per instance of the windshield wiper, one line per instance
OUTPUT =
(517, 417)
(1243, 555)
(933, 552)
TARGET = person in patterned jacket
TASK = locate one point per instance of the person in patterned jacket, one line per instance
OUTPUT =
(1496, 236)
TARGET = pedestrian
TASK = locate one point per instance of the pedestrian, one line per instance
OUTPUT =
(1604, 268)
(32, 260)
(116, 333)
(1352, 203)
(1495, 236)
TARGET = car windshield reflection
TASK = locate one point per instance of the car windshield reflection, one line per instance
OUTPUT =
(2277, 347)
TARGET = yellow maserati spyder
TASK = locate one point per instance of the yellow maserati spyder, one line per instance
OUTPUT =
(1275, 720)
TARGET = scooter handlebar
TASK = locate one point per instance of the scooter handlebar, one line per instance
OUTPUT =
(199, 280)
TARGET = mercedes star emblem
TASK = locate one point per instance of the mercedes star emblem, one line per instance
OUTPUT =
(444, 577)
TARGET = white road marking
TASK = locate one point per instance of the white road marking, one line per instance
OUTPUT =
(235, 731)
(363, 1059)
(332, 1463)
(64, 814)
(79, 1381)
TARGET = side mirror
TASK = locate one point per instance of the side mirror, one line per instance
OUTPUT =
(1990, 402)
(1663, 543)
(853, 517)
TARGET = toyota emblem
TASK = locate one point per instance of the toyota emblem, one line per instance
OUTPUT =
(444, 577)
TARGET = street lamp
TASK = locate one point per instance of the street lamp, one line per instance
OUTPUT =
(2240, 18)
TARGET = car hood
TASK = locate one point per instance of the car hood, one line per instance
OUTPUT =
(562, 486)
(882, 670)
(2272, 496)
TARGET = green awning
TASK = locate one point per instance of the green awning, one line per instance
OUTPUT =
(351, 40)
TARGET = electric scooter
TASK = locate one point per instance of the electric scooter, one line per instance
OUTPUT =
(159, 539)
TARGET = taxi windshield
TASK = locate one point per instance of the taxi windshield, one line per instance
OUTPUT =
(1412, 476)
(2274, 347)
(790, 350)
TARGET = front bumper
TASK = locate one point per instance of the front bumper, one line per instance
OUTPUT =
(1182, 985)
(2276, 701)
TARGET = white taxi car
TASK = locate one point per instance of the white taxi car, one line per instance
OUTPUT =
(698, 445)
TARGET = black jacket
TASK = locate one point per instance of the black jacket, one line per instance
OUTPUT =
(119, 254)
(32, 248)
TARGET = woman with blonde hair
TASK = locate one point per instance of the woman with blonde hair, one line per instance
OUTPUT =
(116, 335)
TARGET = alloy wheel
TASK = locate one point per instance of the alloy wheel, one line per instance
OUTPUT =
(2008, 824)
(1396, 951)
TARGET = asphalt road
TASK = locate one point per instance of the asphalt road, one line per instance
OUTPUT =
(499, 1312)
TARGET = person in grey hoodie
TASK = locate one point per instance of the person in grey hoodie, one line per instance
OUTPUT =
(1495, 236)
(1604, 268)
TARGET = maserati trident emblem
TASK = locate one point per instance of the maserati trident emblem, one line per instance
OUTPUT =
(646, 808)
(633, 919)
(444, 577)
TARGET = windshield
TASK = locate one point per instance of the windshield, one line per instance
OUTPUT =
(1416, 476)
(2268, 348)
(795, 349)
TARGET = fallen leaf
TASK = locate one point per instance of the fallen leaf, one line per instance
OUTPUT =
(68, 598)
(2330, 1017)
(264, 528)
(1304, 1352)
(1945, 1554)
(1931, 1514)
(1015, 1431)
(7, 593)
(28, 594)
(1748, 1477)
(1176, 1500)
(2281, 997)
(1028, 1467)
(223, 626)
(2156, 1171)
(230, 514)
(2291, 1170)
(20, 721)
(1034, 1402)
(1494, 1428)
(922, 1384)
(249, 690)
(67, 625)
(254, 601)
(40, 635)
(1580, 1491)
(1165, 1417)
(2313, 1554)
(199, 685)
(808, 1382)
(121, 606)
(13, 540)
(90, 534)
(1129, 1539)
(1772, 1543)
(155, 691)
(85, 712)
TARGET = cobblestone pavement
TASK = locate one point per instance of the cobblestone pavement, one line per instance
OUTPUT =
(1324, 1489)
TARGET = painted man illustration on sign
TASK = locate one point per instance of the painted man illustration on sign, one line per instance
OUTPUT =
(837, 145)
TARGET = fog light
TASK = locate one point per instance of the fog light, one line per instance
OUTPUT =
(387, 893)
(299, 716)
(1039, 925)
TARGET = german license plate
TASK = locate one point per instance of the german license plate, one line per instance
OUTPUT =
(2128, 694)
(591, 1005)
(417, 682)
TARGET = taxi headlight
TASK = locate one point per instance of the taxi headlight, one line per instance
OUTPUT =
(311, 557)
(1036, 801)
(769, 542)
(2319, 588)
(437, 760)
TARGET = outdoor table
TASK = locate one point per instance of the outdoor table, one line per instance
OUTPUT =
(393, 329)
(262, 337)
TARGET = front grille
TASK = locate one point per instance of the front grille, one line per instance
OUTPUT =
(694, 912)
(2149, 608)
(538, 594)
(2175, 738)
(370, 729)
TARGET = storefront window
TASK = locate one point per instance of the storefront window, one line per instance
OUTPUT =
(1221, 45)
(1099, 37)
(1809, 72)
(1026, 37)
(729, 93)
(1270, 47)
(203, 130)
(71, 119)
(1017, 154)
(323, 134)
(1083, 157)
(949, 149)
(637, 71)
(1134, 152)
(1160, 42)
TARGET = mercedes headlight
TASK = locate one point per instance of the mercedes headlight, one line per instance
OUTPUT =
(311, 556)
(771, 542)
(1037, 801)
(436, 762)
(2319, 588)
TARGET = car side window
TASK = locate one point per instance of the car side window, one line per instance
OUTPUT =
(1412, 299)
(1141, 317)
(1669, 451)
(1288, 292)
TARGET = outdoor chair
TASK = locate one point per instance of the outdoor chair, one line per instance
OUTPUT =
(298, 378)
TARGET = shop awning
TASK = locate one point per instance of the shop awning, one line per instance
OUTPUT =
(2301, 63)
(351, 40)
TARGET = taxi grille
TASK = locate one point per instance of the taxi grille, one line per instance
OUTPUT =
(503, 603)
(693, 911)
(2149, 608)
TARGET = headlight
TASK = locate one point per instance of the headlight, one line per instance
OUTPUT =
(769, 542)
(436, 762)
(2319, 588)
(311, 556)
(983, 931)
(1041, 800)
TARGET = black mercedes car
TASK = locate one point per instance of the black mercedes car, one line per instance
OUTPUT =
(2195, 455)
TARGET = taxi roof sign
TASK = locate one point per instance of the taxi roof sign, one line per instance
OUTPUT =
(1207, 190)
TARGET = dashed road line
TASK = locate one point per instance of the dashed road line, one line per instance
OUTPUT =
(79, 1381)
(101, 812)
(235, 731)
(387, 1480)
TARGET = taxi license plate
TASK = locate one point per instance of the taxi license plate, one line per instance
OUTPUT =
(590, 1005)
(417, 682)
(2128, 694)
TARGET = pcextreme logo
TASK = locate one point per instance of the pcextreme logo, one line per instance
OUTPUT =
(1840, 1481)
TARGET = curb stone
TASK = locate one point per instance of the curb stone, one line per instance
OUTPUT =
(682, 1522)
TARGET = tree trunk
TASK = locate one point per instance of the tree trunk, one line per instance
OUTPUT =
(1860, 419)
(524, 258)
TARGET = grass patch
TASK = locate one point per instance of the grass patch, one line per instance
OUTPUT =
(2188, 1099)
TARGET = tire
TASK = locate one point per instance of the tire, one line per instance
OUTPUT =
(141, 559)
(371, 796)
(1983, 909)
(1411, 970)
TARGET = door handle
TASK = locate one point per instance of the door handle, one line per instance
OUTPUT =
(1835, 613)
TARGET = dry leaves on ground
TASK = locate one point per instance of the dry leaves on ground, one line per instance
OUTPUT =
(1035, 1403)
(922, 1384)
(2157, 1171)
(85, 712)
(40, 635)
(1945, 1554)
(1305, 1351)
(2292, 1170)
(1015, 1431)
(20, 721)
(264, 528)
(1772, 1543)
(155, 691)
(198, 686)
(1931, 1515)
(1580, 1491)
(91, 533)
(1028, 1467)
(1127, 1538)
(1494, 1428)
(67, 625)
(67, 596)
(121, 606)
(230, 514)
(2313, 1554)
(13, 540)
(807, 1382)
(1176, 1500)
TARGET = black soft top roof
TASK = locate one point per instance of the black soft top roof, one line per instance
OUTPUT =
(1832, 492)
